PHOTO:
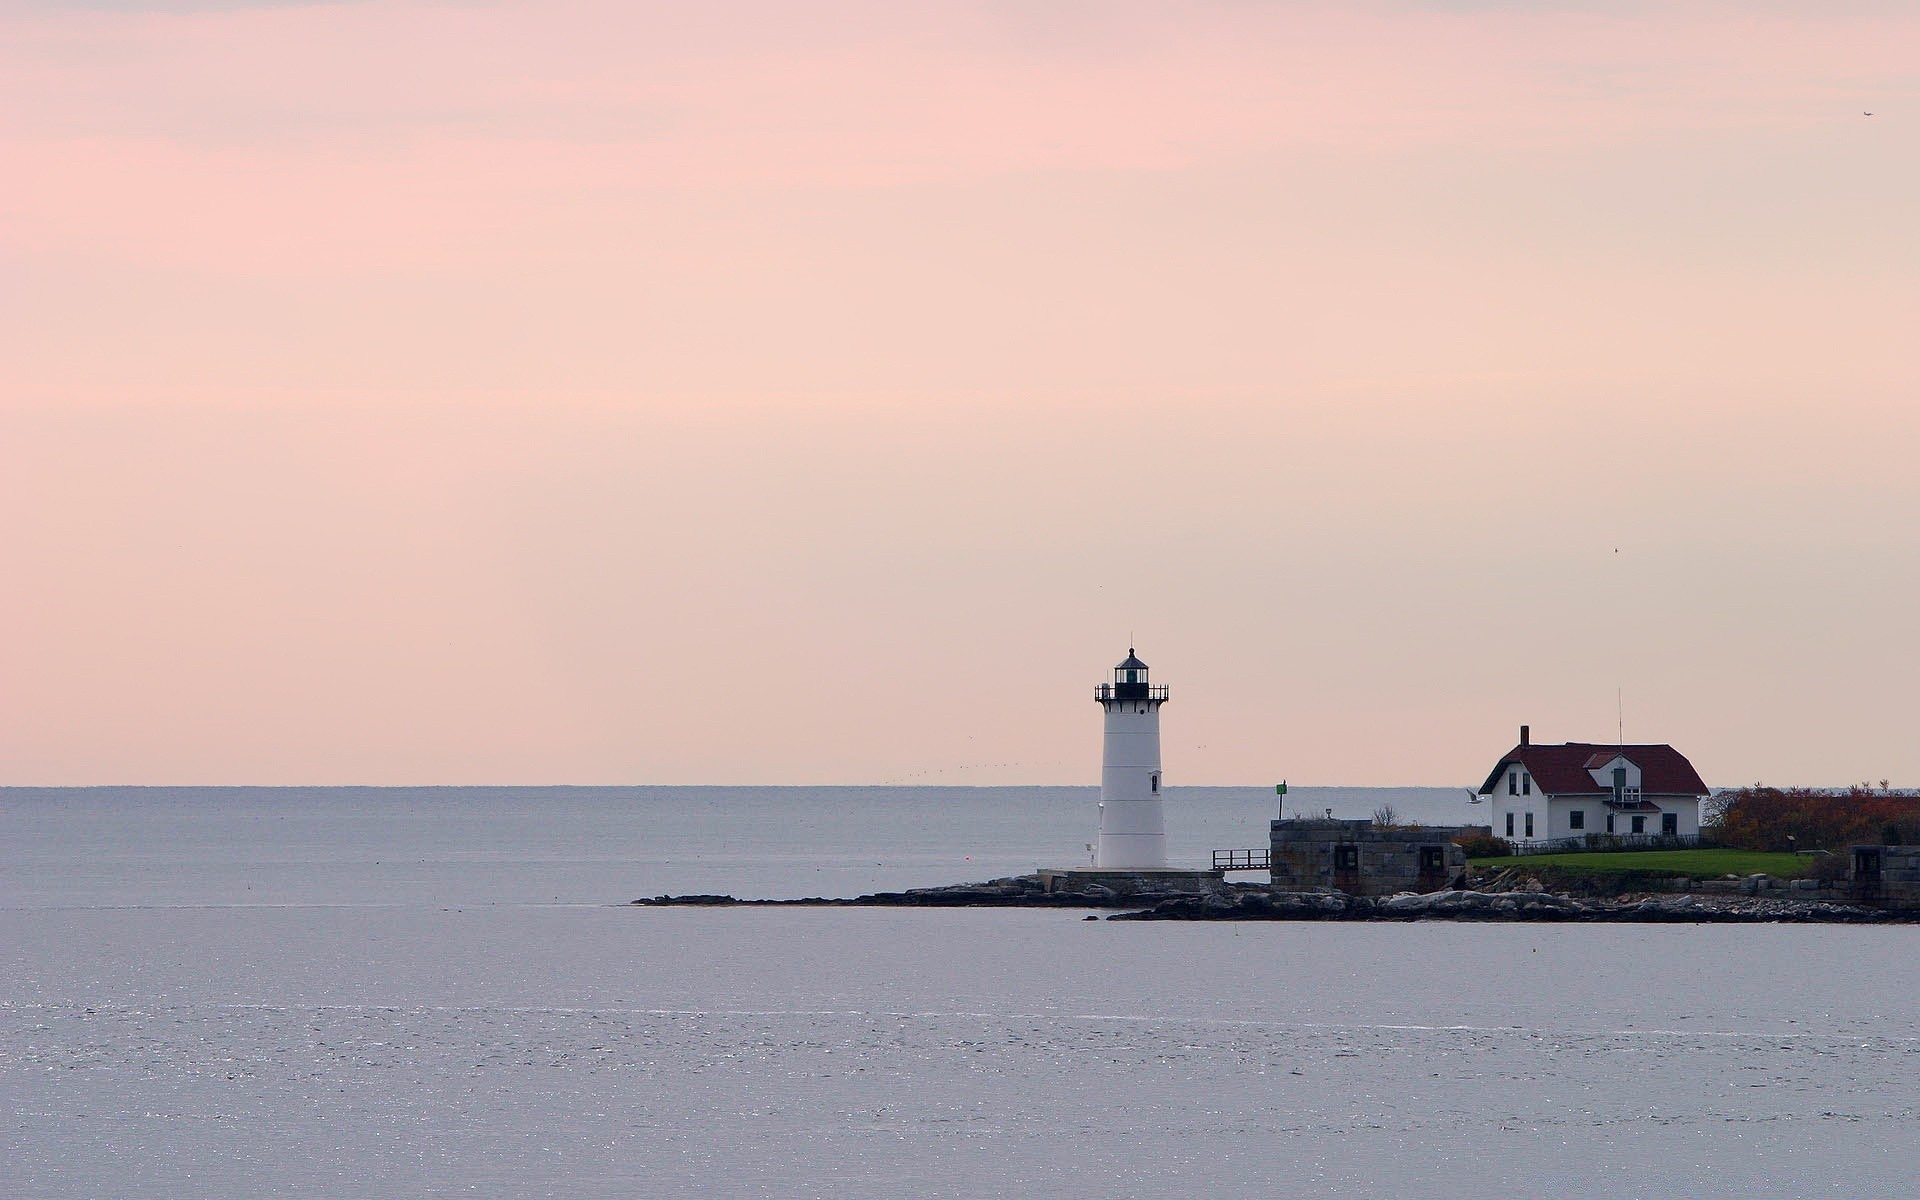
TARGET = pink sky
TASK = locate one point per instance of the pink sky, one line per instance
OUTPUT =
(792, 393)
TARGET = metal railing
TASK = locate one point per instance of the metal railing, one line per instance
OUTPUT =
(1129, 691)
(1243, 860)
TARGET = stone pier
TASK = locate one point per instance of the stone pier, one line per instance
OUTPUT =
(1160, 882)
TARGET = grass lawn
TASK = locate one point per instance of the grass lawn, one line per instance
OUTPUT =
(1697, 864)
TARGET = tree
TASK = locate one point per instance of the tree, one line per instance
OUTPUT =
(1764, 818)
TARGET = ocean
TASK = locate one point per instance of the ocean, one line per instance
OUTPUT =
(374, 992)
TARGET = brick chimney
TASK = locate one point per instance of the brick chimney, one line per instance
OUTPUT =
(1526, 735)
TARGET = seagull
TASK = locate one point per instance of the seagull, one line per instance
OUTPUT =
(1866, 114)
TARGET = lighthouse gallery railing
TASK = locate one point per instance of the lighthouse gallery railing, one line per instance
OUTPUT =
(1130, 691)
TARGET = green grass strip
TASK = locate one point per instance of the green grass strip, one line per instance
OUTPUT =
(1695, 864)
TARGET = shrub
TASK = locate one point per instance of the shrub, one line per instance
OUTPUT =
(1764, 818)
(1483, 845)
(1831, 868)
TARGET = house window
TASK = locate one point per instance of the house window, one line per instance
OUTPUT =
(1346, 858)
(1529, 824)
(1513, 783)
(1609, 822)
(1526, 784)
(1639, 824)
(1509, 824)
(1670, 823)
(1577, 819)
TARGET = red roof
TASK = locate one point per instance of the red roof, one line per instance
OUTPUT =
(1563, 770)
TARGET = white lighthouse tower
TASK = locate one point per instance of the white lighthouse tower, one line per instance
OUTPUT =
(1133, 833)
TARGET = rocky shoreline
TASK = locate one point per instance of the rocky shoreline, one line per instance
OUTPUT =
(1512, 906)
(1254, 902)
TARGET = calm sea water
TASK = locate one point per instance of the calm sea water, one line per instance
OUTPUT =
(381, 992)
(146, 846)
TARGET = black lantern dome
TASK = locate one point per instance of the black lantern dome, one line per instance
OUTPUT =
(1130, 683)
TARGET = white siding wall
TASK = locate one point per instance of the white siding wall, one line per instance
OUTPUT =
(1688, 810)
(1519, 805)
(1560, 817)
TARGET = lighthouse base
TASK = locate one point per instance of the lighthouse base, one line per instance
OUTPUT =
(1161, 881)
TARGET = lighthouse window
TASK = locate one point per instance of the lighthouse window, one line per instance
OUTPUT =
(1155, 781)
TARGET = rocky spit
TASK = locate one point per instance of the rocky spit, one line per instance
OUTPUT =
(1253, 902)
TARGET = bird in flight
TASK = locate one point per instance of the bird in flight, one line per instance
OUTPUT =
(1866, 114)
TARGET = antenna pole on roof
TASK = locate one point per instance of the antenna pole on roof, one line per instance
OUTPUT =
(1619, 632)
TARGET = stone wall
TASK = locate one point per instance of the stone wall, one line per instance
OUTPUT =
(1151, 883)
(1896, 880)
(1359, 859)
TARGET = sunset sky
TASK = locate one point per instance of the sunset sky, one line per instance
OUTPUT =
(828, 392)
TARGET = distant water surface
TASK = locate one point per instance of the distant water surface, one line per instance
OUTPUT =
(590, 845)
(370, 992)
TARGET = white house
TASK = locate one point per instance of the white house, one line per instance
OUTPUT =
(1549, 792)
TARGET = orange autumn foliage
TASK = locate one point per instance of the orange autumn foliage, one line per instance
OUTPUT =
(1764, 818)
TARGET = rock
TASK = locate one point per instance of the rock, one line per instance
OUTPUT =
(1247, 905)
(1742, 900)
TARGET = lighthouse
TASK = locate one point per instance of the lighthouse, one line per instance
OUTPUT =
(1133, 833)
